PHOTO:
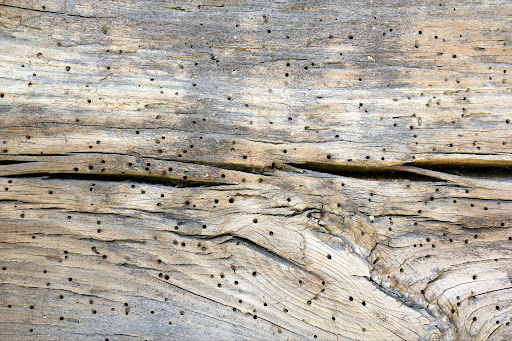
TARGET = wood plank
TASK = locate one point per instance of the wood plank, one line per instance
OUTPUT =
(233, 170)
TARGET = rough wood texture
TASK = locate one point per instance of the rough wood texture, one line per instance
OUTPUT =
(231, 170)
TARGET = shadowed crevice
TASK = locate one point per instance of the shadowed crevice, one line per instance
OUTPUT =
(361, 172)
(146, 179)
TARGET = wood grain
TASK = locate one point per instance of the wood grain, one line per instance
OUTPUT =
(255, 170)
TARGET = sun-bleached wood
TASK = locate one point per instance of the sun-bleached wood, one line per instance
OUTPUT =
(255, 170)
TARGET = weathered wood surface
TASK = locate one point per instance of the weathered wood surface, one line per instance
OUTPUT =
(230, 170)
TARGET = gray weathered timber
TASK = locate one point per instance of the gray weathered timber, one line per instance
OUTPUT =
(255, 170)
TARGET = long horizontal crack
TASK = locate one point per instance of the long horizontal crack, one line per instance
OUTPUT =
(423, 170)
(24, 158)
(481, 169)
(146, 179)
(13, 162)
(362, 172)
(443, 170)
